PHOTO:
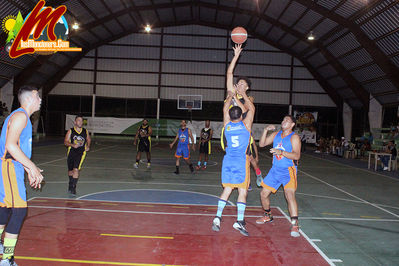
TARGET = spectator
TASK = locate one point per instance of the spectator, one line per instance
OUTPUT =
(391, 149)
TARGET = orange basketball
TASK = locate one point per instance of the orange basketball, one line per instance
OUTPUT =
(239, 35)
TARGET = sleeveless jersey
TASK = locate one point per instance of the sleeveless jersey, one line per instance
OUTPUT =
(205, 134)
(183, 136)
(143, 131)
(285, 145)
(78, 138)
(25, 139)
(237, 137)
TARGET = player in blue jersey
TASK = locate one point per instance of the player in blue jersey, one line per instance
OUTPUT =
(183, 146)
(286, 152)
(236, 162)
(15, 154)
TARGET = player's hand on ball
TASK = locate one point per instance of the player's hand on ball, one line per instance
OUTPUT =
(270, 128)
(237, 49)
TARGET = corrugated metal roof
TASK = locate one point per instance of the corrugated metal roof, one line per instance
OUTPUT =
(389, 44)
(379, 86)
(343, 45)
(368, 73)
(382, 28)
(356, 59)
(383, 23)
(307, 22)
(324, 27)
(276, 8)
(294, 11)
(349, 7)
(329, 4)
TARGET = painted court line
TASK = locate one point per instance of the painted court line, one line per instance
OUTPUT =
(137, 236)
(206, 185)
(343, 191)
(63, 158)
(86, 261)
(350, 166)
(328, 260)
(141, 212)
(205, 214)
(163, 190)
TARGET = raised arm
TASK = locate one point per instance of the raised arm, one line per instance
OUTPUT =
(267, 140)
(226, 107)
(248, 105)
(230, 77)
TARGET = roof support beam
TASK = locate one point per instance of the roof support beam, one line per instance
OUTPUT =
(371, 47)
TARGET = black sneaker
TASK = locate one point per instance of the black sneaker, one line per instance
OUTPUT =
(73, 191)
(240, 226)
(176, 172)
(8, 262)
(216, 224)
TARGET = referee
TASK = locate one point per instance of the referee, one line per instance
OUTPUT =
(77, 139)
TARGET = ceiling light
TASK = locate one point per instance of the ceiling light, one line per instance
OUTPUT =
(311, 37)
(75, 26)
(147, 28)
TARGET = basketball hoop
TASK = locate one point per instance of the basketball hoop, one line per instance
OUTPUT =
(190, 105)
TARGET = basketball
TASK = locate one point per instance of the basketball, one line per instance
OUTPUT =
(239, 35)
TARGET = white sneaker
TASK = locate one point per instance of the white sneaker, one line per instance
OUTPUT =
(8, 262)
(240, 226)
(385, 168)
(136, 165)
(216, 224)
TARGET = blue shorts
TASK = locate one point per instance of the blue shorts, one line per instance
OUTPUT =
(278, 176)
(12, 185)
(235, 172)
(182, 150)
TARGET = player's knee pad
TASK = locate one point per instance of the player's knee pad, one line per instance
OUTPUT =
(4, 215)
(17, 218)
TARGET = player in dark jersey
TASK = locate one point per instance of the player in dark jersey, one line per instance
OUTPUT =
(205, 145)
(15, 154)
(286, 152)
(143, 136)
(78, 141)
(183, 146)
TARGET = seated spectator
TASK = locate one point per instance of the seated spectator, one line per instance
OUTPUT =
(391, 149)
(365, 147)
